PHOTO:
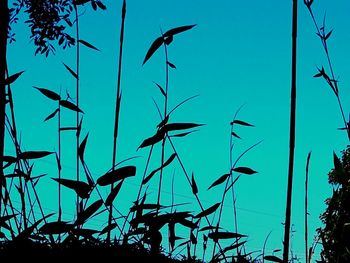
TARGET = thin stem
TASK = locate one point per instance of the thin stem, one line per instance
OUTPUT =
(306, 208)
(165, 115)
(59, 160)
(292, 133)
(4, 22)
(77, 99)
(117, 108)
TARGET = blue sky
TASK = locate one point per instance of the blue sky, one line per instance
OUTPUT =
(239, 53)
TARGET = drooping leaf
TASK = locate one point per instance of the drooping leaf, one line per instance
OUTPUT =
(69, 105)
(81, 148)
(160, 88)
(183, 134)
(194, 185)
(166, 163)
(219, 181)
(171, 65)
(33, 155)
(13, 78)
(49, 94)
(244, 170)
(113, 194)
(233, 246)
(155, 45)
(177, 30)
(71, 71)
(243, 123)
(87, 44)
(236, 135)
(224, 235)
(273, 259)
(101, 5)
(208, 211)
(58, 227)
(88, 212)
(28, 231)
(51, 115)
(81, 188)
(116, 175)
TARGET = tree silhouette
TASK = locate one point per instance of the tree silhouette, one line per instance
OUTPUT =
(335, 236)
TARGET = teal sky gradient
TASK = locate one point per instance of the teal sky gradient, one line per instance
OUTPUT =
(238, 54)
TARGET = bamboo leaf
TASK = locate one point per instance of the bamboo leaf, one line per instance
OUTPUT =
(71, 71)
(101, 5)
(179, 126)
(113, 194)
(116, 175)
(69, 105)
(236, 135)
(51, 115)
(58, 227)
(224, 235)
(219, 181)
(160, 88)
(194, 185)
(328, 35)
(243, 123)
(13, 78)
(81, 2)
(166, 163)
(171, 65)
(273, 259)
(87, 44)
(208, 211)
(81, 188)
(88, 212)
(155, 45)
(153, 140)
(244, 170)
(49, 94)
(81, 148)
(108, 228)
(177, 30)
(33, 155)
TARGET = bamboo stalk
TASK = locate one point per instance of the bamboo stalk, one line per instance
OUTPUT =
(292, 133)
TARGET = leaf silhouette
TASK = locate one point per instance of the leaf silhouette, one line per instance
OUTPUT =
(244, 170)
(25, 234)
(219, 181)
(166, 163)
(49, 94)
(209, 228)
(177, 30)
(194, 185)
(81, 188)
(108, 228)
(33, 155)
(51, 115)
(208, 211)
(113, 194)
(236, 135)
(3, 220)
(58, 227)
(71, 71)
(153, 140)
(273, 259)
(243, 123)
(180, 126)
(116, 175)
(69, 105)
(81, 2)
(155, 45)
(160, 88)
(81, 148)
(224, 235)
(13, 78)
(171, 65)
(88, 212)
(87, 44)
